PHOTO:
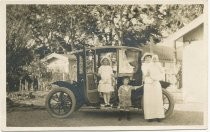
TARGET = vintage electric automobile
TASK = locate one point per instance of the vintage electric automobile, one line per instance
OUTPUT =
(65, 97)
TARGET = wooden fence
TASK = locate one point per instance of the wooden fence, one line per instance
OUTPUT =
(42, 85)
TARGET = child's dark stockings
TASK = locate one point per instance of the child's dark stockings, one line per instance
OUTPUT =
(124, 113)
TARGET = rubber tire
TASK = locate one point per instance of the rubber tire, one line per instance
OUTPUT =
(171, 102)
(65, 90)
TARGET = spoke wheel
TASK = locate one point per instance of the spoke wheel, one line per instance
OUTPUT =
(168, 103)
(60, 102)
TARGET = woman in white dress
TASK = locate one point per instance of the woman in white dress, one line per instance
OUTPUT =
(105, 86)
(153, 102)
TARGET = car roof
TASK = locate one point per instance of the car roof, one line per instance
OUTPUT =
(107, 47)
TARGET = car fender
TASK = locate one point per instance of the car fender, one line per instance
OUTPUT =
(164, 84)
(75, 88)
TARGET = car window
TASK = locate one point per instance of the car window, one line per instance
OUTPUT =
(90, 61)
(89, 65)
(81, 65)
(128, 61)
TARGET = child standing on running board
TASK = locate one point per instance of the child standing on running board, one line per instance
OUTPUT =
(106, 83)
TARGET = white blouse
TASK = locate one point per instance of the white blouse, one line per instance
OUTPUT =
(152, 72)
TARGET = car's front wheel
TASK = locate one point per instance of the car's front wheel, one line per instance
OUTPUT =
(60, 102)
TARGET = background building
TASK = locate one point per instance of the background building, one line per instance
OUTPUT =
(189, 43)
(62, 66)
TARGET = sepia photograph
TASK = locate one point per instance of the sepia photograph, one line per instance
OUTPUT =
(106, 66)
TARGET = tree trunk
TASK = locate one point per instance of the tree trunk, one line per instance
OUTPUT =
(20, 86)
(38, 84)
(32, 86)
(26, 85)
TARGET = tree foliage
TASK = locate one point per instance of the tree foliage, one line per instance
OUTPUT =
(42, 29)
(18, 54)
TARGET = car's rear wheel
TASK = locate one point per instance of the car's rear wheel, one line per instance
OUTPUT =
(168, 103)
(60, 102)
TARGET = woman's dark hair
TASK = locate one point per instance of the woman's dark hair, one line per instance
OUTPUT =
(126, 77)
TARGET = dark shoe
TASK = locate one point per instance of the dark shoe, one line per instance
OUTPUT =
(128, 116)
(158, 120)
(120, 116)
(150, 120)
(108, 105)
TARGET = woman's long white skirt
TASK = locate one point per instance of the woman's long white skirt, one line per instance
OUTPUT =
(153, 101)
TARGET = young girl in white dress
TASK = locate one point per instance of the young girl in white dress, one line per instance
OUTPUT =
(105, 86)
(153, 102)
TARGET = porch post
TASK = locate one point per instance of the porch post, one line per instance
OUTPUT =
(175, 52)
(63, 76)
(175, 63)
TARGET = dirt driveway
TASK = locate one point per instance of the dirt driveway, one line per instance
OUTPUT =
(23, 117)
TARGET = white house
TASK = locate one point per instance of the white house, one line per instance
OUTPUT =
(190, 43)
(63, 66)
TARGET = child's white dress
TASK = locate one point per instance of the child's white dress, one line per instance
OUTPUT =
(105, 84)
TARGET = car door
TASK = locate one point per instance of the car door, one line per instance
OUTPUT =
(91, 78)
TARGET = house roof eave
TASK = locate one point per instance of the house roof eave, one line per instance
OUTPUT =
(59, 56)
(189, 27)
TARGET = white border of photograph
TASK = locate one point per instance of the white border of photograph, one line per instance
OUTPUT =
(3, 63)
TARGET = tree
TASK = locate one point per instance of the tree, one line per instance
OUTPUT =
(60, 27)
(17, 54)
(42, 29)
(136, 25)
(174, 17)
